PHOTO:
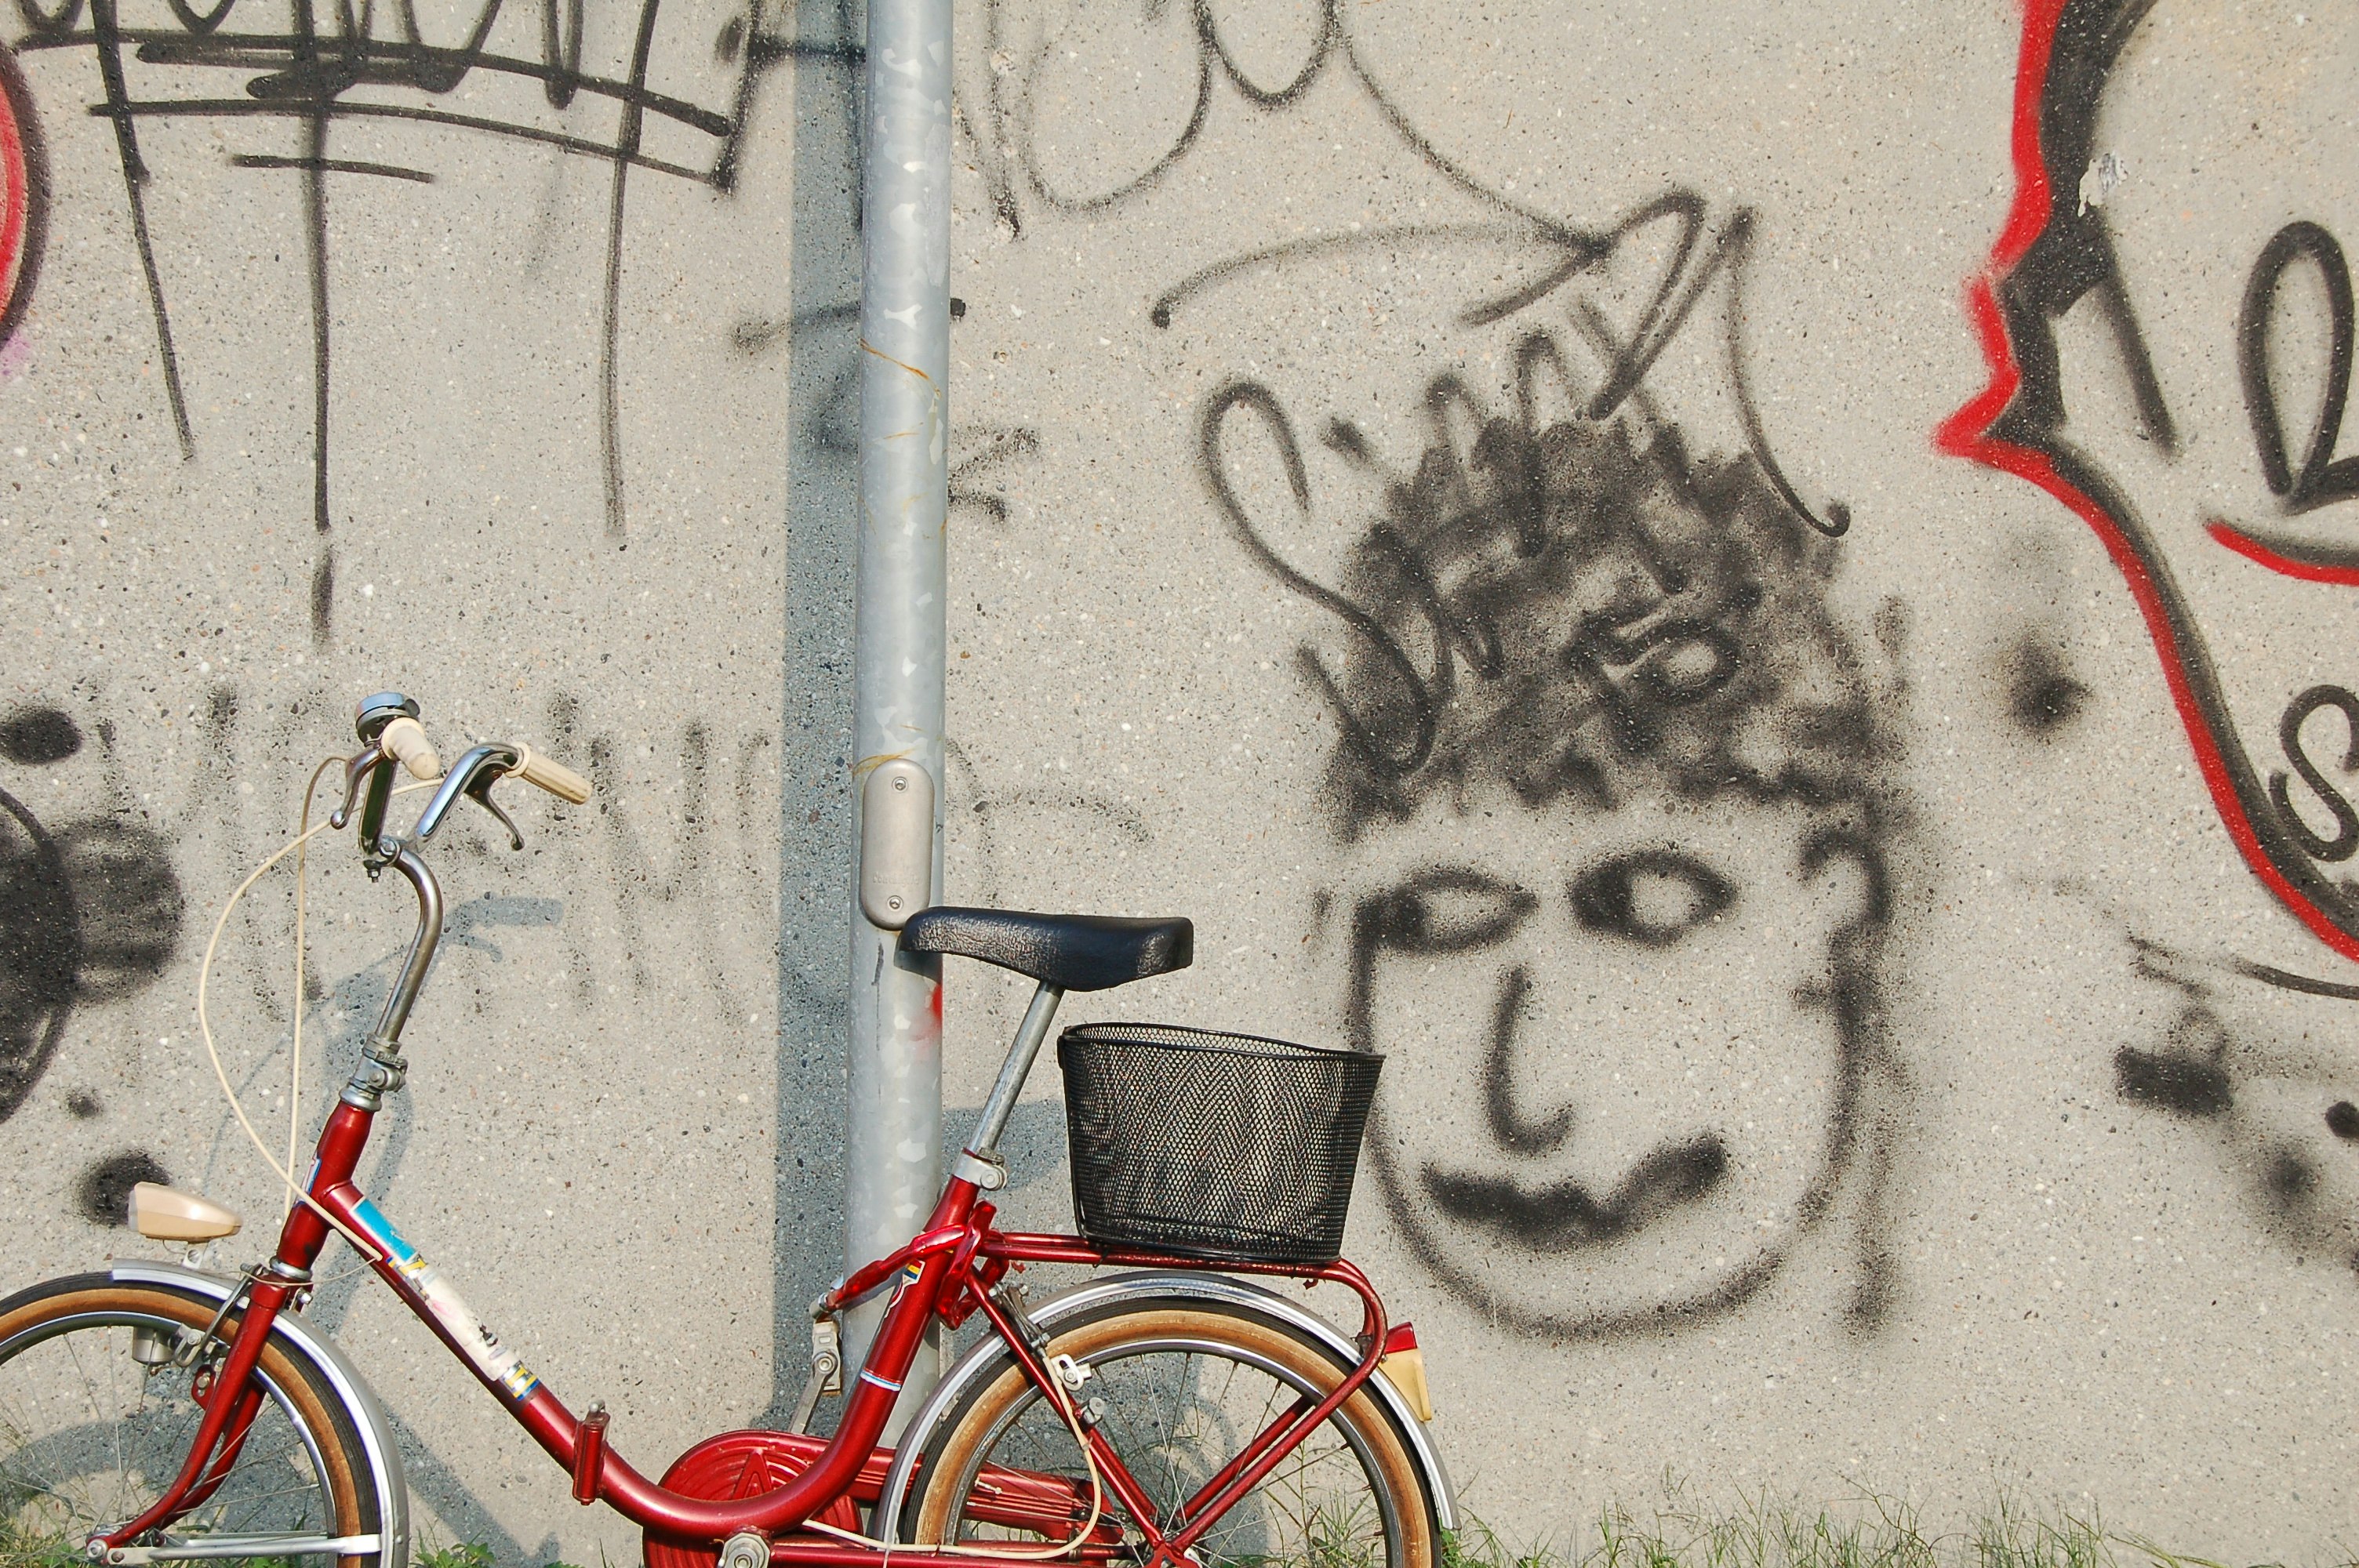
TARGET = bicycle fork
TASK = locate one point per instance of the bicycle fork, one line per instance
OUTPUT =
(234, 1399)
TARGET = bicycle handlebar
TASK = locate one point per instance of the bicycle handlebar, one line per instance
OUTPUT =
(405, 738)
(484, 765)
(551, 775)
(388, 724)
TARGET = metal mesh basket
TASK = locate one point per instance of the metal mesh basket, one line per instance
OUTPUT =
(1210, 1145)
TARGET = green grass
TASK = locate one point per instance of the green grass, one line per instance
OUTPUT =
(466, 1554)
(1758, 1532)
(1876, 1532)
(20, 1548)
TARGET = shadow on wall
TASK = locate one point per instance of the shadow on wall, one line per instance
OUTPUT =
(90, 913)
(814, 996)
(347, 1012)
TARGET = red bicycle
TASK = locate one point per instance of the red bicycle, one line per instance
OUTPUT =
(1172, 1415)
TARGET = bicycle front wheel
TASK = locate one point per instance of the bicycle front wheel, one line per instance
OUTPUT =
(1180, 1388)
(97, 1412)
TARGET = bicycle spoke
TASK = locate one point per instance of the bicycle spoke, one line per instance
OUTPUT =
(300, 1488)
(1185, 1410)
(53, 1478)
(82, 1449)
(1230, 1524)
(1169, 1501)
(73, 1353)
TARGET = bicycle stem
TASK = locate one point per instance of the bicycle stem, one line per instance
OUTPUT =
(422, 948)
(554, 1427)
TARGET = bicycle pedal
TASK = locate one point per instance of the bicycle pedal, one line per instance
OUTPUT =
(590, 1453)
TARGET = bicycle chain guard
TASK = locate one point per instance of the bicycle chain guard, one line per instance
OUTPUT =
(738, 1465)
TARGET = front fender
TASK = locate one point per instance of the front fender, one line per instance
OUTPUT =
(306, 1342)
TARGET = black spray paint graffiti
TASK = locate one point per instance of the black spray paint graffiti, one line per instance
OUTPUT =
(1569, 621)
(90, 910)
(103, 1195)
(1009, 151)
(2065, 245)
(2278, 1105)
(307, 74)
(1565, 255)
(2043, 696)
(2322, 478)
(717, 847)
(2035, 679)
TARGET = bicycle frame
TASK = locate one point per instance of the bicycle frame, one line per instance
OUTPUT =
(950, 1271)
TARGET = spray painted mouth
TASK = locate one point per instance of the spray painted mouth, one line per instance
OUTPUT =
(1565, 1216)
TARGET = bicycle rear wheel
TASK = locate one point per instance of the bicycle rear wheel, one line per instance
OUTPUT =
(1181, 1386)
(96, 1417)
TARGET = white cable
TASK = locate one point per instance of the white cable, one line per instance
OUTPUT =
(295, 1063)
(366, 1248)
(1058, 1397)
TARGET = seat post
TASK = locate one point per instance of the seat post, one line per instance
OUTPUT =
(1029, 1034)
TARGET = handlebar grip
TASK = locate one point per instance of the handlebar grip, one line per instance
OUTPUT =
(551, 775)
(405, 738)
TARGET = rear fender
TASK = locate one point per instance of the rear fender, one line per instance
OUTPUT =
(1190, 1285)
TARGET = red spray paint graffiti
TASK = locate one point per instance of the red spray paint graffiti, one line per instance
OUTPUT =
(23, 196)
(2053, 253)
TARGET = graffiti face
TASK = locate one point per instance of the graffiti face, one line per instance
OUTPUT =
(1607, 784)
(1615, 1076)
(2169, 317)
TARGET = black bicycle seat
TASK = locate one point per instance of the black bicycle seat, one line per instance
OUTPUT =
(1071, 952)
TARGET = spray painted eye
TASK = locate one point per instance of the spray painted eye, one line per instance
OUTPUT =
(1447, 909)
(1653, 897)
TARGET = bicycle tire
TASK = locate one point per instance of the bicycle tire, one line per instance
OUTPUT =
(1182, 1384)
(90, 1436)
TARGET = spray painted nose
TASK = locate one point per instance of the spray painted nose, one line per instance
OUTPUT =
(1557, 1216)
(1521, 1121)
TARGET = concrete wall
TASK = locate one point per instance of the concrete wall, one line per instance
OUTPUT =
(1751, 593)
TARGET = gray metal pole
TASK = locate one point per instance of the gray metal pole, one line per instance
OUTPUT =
(893, 1160)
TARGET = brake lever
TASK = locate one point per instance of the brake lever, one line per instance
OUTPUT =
(473, 775)
(479, 790)
(356, 772)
